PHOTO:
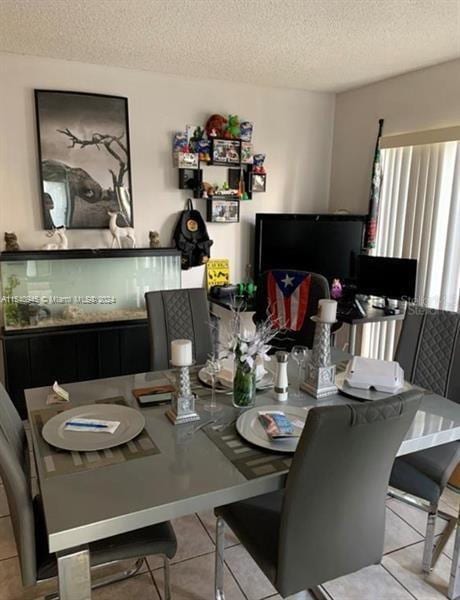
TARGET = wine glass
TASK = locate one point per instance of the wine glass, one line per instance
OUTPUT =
(213, 367)
(299, 354)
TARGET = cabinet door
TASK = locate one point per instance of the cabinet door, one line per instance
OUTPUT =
(109, 352)
(87, 355)
(17, 371)
(53, 357)
(135, 350)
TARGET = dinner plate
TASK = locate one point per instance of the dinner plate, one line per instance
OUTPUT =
(361, 394)
(131, 421)
(250, 428)
(264, 383)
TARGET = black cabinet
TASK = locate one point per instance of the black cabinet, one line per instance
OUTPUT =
(40, 358)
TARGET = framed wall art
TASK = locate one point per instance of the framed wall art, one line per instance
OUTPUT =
(223, 209)
(84, 154)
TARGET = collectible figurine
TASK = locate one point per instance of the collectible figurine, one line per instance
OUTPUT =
(208, 189)
(232, 130)
(119, 232)
(215, 126)
(246, 131)
(11, 242)
(203, 147)
(258, 161)
(195, 133)
(336, 289)
(61, 244)
(180, 142)
(246, 152)
(154, 237)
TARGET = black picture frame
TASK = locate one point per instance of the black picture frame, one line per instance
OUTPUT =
(258, 182)
(84, 158)
(223, 209)
(225, 152)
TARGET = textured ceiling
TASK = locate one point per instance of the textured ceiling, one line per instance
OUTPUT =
(328, 45)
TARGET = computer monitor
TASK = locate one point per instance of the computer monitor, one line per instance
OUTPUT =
(392, 278)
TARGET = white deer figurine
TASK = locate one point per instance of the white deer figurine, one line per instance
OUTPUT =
(119, 232)
(61, 244)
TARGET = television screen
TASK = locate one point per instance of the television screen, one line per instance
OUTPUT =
(387, 277)
(324, 244)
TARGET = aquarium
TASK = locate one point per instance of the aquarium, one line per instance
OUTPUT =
(75, 287)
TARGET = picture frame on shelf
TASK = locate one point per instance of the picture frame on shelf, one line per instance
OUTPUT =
(223, 209)
(84, 156)
(258, 182)
(190, 179)
(225, 152)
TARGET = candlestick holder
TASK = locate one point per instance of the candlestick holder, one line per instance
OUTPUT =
(183, 403)
(320, 379)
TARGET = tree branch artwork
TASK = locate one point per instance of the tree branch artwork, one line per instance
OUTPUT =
(120, 155)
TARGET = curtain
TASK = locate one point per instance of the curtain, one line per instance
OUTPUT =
(419, 218)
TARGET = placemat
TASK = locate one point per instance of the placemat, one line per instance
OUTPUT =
(250, 460)
(62, 462)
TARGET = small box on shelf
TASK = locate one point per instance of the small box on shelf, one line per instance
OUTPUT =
(190, 179)
(223, 209)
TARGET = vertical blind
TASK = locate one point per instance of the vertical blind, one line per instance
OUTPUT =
(419, 218)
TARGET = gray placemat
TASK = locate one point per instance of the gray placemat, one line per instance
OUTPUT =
(250, 460)
(61, 462)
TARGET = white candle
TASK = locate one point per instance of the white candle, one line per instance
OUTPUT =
(327, 312)
(181, 353)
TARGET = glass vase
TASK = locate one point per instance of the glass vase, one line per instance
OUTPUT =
(244, 386)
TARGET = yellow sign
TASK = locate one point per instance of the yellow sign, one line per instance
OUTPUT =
(218, 272)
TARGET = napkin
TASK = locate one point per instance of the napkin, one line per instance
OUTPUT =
(91, 425)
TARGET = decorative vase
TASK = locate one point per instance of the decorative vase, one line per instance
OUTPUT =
(244, 386)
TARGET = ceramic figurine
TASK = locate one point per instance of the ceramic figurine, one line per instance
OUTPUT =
(215, 126)
(154, 237)
(62, 241)
(246, 131)
(11, 242)
(232, 130)
(258, 162)
(119, 232)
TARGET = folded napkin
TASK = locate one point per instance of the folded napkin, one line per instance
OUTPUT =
(92, 425)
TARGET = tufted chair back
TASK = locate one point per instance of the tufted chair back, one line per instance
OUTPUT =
(178, 314)
(429, 350)
(333, 515)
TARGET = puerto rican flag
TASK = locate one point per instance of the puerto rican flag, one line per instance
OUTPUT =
(288, 293)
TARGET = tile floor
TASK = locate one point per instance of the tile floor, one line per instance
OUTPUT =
(397, 578)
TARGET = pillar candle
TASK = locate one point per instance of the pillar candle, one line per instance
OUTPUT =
(327, 312)
(181, 353)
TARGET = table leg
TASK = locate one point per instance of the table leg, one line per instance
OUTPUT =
(352, 339)
(74, 574)
(454, 584)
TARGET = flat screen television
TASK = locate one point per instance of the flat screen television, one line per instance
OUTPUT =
(325, 244)
(393, 278)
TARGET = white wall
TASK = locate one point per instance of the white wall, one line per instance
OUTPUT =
(425, 99)
(293, 128)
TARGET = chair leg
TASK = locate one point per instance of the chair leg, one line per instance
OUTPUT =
(167, 578)
(429, 541)
(219, 567)
(444, 536)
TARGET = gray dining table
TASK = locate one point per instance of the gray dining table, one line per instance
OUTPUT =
(188, 473)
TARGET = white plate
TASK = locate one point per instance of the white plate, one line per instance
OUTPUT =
(264, 383)
(361, 394)
(250, 428)
(132, 423)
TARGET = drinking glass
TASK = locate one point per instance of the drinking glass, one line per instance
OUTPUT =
(213, 367)
(299, 354)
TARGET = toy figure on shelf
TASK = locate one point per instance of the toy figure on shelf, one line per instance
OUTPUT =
(203, 147)
(154, 238)
(336, 289)
(215, 126)
(246, 131)
(180, 142)
(258, 162)
(232, 131)
(11, 242)
(195, 133)
(207, 189)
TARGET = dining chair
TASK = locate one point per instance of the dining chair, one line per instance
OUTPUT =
(319, 288)
(178, 314)
(429, 352)
(330, 518)
(37, 564)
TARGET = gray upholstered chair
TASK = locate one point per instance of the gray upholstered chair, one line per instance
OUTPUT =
(37, 564)
(429, 352)
(330, 519)
(178, 314)
(319, 288)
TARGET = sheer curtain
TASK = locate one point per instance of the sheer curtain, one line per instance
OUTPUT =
(419, 218)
